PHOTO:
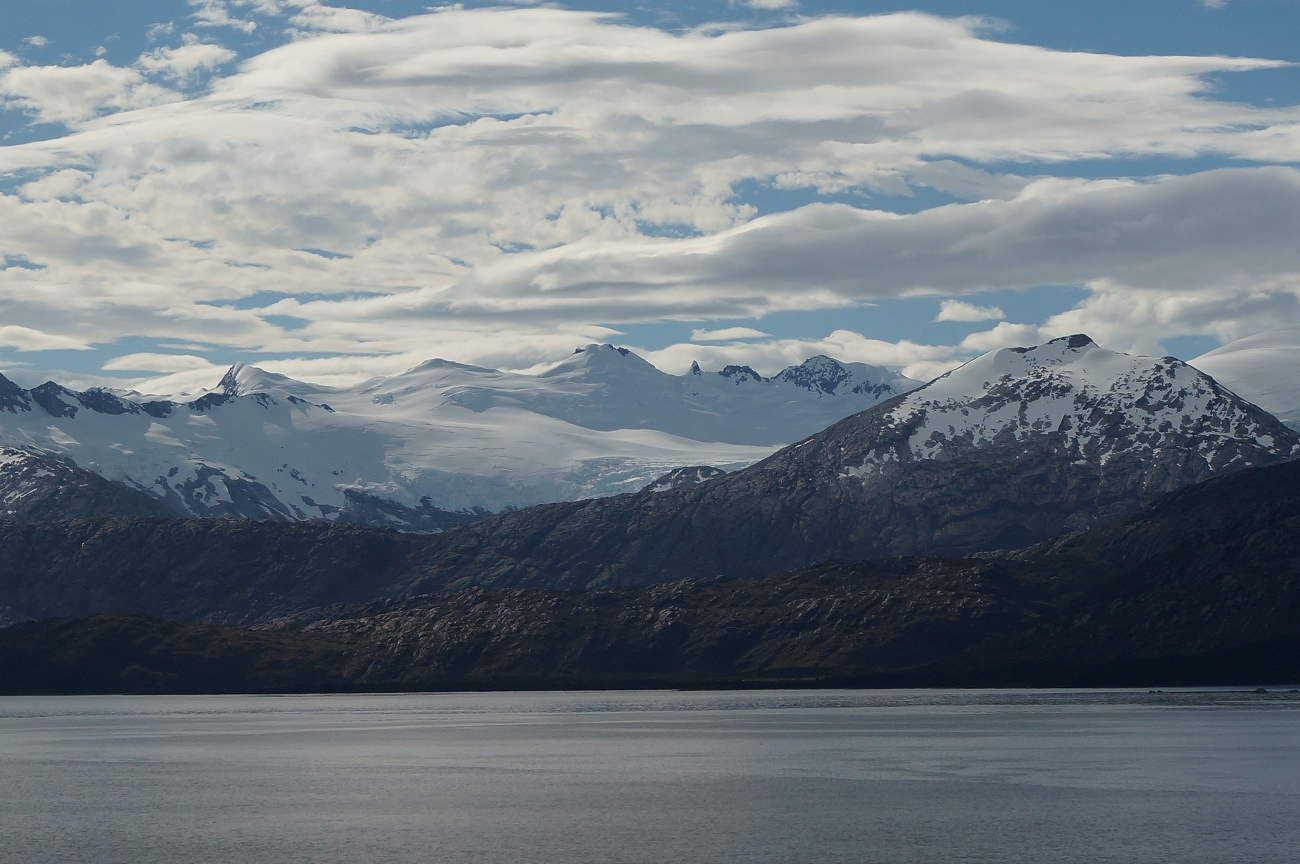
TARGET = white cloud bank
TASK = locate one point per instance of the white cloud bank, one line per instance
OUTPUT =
(489, 185)
(185, 62)
(727, 334)
(958, 310)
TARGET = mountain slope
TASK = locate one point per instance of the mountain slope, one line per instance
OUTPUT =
(1264, 368)
(225, 571)
(603, 387)
(39, 488)
(134, 653)
(1202, 587)
(1014, 447)
(435, 446)
(1212, 565)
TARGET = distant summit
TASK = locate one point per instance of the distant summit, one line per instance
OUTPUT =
(437, 445)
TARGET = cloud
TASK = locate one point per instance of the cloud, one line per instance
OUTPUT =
(494, 184)
(957, 310)
(771, 4)
(333, 19)
(1222, 230)
(37, 41)
(216, 13)
(159, 363)
(27, 339)
(1214, 4)
(74, 94)
(185, 63)
(727, 334)
(185, 374)
(155, 32)
(1005, 335)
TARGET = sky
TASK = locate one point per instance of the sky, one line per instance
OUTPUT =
(336, 192)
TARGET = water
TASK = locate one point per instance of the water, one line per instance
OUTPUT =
(652, 777)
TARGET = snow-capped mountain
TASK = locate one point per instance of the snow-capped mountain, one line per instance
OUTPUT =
(36, 487)
(1014, 447)
(606, 388)
(438, 444)
(1264, 368)
(1095, 404)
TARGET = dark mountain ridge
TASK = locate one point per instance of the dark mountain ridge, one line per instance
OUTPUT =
(1200, 588)
(1016, 447)
(1204, 582)
(241, 572)
(227, 571)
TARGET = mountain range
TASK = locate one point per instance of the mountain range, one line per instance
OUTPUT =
(1012, 448)
(1016, 447)
(993, 525)
(435, 446)
(1201, 587)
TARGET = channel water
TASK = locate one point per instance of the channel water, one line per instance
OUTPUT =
(770, 776)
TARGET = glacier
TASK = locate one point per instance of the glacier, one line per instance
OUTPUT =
(1264, 368)
(440, 443)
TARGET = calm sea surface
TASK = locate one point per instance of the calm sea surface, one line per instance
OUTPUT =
(908, 776)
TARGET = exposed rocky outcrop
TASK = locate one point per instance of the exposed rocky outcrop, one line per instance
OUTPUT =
(37, 487)
(1205, 579)
(692, 475)
(365, 509)
(1199, 587)
(837, 619)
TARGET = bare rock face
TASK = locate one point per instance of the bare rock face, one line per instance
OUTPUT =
(690, 476)
(36, 487)
(1015, 447)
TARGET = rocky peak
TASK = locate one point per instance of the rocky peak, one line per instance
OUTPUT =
(601, 360)
(1014, 447)
(438, 364)
(740, 374)
(244, 380)
(47, 396)
(38, 487)
(12, 397)
(817, 374)
(1092, 402)
(229, 383)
